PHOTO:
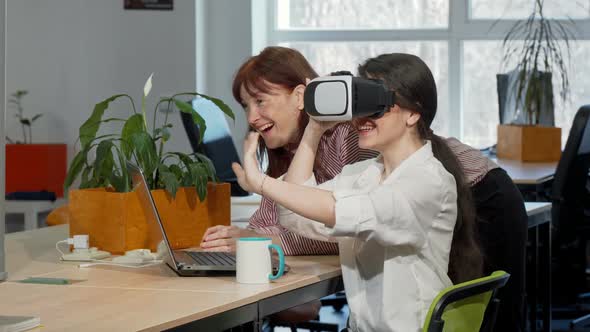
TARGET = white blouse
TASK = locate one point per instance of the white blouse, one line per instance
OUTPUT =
(394, 238)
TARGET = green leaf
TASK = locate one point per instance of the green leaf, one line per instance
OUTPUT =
(184, 158)
(104, 162)
(176, 170)
(125, 179)
(199, 174)
(164, 132)
(133, 125)
(112, 119)
(89, 128)
(75, 168)
(118, 181)
(85, 179)
(169, 179)
(145, 152)
(197, 118)
(218, 102)
(222, 106)
(203, 166)
(209, 167)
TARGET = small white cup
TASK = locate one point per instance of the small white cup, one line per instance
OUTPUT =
(253, 260)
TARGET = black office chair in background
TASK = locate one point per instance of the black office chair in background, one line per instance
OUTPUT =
(570, 196)
(217, 143)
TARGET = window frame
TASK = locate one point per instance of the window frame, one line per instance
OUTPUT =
(461, 28)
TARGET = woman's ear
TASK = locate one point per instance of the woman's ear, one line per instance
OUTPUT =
(413, 119)
(298, 94)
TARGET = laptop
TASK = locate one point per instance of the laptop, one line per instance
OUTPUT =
(185, 263)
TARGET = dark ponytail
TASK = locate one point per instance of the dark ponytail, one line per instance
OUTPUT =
(465, 259)
(415, 89)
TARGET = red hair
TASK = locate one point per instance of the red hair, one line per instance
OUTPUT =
(282, 66)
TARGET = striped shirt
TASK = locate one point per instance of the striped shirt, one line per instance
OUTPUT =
(337, 148)
(475, 165)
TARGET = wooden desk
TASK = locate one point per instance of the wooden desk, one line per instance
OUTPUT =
(524, 173)
(539, 224)
(123, 299)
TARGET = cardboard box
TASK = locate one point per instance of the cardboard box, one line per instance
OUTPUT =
(529, 143)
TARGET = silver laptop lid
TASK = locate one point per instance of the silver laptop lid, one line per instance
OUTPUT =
(155, 227)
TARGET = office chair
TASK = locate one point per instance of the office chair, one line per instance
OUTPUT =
(466, 307)
(570, 196)
(217, 144)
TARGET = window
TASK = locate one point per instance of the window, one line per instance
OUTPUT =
(460, 40)
(328, 57)
(520, 9)
(354, 14)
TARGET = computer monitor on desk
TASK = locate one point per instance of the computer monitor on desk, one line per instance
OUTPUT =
(217, 143)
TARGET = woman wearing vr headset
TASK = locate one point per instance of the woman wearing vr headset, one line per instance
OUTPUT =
(404, 221)
(500, 211)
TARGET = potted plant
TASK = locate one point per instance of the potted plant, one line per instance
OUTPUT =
(33, 167)
(183, 185)
(540, 46)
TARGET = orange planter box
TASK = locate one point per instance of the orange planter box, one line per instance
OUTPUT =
(36, 167)
(116, 222)
(529, 143)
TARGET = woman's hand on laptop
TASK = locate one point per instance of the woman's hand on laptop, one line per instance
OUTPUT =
(223, 238)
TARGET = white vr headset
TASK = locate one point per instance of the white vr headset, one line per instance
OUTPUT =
(343, 97)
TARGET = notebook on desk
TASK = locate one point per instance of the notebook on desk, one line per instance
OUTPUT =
(18, 323)
(184, 263)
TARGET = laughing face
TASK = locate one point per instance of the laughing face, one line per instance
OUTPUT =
(378, 134)
(275, 114)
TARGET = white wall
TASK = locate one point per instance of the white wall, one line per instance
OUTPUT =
(225, 44)
(71, 54)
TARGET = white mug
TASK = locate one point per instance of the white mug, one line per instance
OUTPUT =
(253, 260)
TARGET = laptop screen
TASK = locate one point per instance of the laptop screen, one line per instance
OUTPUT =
(156, 231)
(218, 143)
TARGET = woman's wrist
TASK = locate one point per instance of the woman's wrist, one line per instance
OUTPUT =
(312, 136)
(261, 187)
(248, 233)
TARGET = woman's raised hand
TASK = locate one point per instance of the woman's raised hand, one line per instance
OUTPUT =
(320, 127)
(249, 175)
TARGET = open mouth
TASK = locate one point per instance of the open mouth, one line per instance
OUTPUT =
(266, 128)
(365, 128)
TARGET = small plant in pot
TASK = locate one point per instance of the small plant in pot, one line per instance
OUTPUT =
(541, 48)
(16, 102)
(183, 185)
(33, 170)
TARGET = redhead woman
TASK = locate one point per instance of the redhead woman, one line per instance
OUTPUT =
(270, 88)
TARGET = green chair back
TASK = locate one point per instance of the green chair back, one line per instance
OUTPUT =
(465, 307)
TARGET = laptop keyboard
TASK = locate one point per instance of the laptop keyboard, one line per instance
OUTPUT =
(212, 258)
